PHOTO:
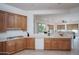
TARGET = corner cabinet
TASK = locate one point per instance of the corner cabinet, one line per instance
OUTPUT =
(10, 47)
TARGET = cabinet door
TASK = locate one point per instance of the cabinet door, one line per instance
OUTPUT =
(25, 43)
(59, 43)
(30, 43)
(19, 44)
(11, 21)
(22, 22)
(1, 47)
(10, 46)
(47, 43)
(66, 44)
(2, 21)
(54, 44)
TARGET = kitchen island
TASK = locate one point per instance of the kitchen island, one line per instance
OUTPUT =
(57, 43)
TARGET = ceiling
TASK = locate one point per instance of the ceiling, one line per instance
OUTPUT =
(44, 6)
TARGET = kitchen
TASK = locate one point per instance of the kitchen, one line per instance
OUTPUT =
(35, 28)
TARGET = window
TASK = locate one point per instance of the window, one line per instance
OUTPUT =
(41, 27)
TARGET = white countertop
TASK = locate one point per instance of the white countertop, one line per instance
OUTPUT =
(1, 40)
(57, 37)
(39, 36)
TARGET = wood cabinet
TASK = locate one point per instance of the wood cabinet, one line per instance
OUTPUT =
(47, 43)
(30, 43)
(17, 21)
(60, 27)
(25, 43)
(12, 21)
(1, 45)
(7, 47)
(22, 22)
(54, 44)
(19, 44)
(16, 45)
(51, 27)
(2, 21)
(66, 44)
(10, 46)
(72, 26)
(57, 43)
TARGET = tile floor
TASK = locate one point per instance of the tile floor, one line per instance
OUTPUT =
(47, 52)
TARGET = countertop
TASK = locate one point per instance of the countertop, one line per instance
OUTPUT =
(57, 37)
(6, 39)
(37, 37)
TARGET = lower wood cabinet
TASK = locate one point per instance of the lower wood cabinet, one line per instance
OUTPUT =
(9, 46)
(16, 45)
(47, 44)
(30, 43)
(54, 44)
(1, 45)
(57, 43)
(25, 43)
(19, 45)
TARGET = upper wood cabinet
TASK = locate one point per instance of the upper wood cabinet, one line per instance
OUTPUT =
(12, 21)
(60, 27)
(17, 21)
(2, 21)
(72, 26)
(22, 22)
(51, 27)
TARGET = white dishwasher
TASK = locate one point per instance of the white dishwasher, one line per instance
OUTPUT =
(39, 41)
